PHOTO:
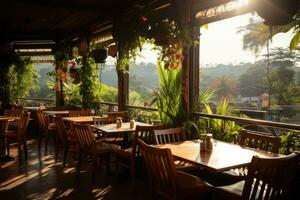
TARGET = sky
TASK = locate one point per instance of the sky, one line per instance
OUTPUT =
(221, 43)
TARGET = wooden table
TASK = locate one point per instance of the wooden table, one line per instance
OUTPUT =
(112, 128)
(87, 119)
(224, 156)
(124, 130)
(57, 112)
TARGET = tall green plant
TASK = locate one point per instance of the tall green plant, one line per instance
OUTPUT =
(221, 129)
(168, 97)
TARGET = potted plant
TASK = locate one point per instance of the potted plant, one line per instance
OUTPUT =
(276, 12)
(99, 55)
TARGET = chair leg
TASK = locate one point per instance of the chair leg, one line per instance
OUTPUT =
(25, 150)
(132, 168)
(19, 153)
(40, 140)
(65, 154)
(78, 164)
(7, 147)
(57, 147)
(46, 142)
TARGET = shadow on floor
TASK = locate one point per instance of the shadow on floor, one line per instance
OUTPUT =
(41, 178)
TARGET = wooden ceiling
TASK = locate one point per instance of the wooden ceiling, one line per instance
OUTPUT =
(31, 23)
(55, 19)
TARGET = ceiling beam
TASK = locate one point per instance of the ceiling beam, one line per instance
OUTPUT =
(97, 9)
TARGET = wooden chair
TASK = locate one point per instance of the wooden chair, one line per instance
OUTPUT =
(268, 178)
(169, 135)
(65, 139)
(128, 158)
(107, 138)
(80, 113)
(88, 145)
(123, 114)
(166, 180)
(259, 140)
(13, 113)
(46, 128)
(19, 135)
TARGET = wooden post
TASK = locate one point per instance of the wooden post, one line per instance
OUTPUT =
(123, 89)
(4, 81)
(190, 64)
(194, 70)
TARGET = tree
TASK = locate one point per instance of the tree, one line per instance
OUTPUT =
(23, 78)
(225, 87)
(280, 75)
(257, 34)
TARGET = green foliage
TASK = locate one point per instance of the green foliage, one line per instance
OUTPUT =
(221, 129)
(23, 78)
(257, 34)
(88, 77)
(290, 142)
(168, 97)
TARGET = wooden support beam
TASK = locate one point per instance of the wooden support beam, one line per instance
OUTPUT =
(4, 81)
(123, 89)
(190, 65)
(194, 71)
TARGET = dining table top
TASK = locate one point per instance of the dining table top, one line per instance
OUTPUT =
(57, 112)
(83, 119)
(222, 157)
(112, 128)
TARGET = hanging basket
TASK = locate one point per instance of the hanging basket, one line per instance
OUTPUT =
(99, 55)
(276, 12)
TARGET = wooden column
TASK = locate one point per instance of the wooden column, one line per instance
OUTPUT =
(4, 81)
(194, 71)
(123, 89)
(190, 64)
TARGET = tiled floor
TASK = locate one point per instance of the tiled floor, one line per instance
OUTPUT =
(41, 178)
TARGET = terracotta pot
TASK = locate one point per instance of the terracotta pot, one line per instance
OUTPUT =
(99, 55)
(276, 12)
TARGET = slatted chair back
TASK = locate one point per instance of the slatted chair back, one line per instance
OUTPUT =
(61, 129)
(169, 135)
(15, 107)
(42, 120)
(14, 113)
(102, 120)
(23, 124)
(146, 134)
(85, 136)
(123, 114)
(259, 140)
(271, 178)
(80, 113)
(161, 169)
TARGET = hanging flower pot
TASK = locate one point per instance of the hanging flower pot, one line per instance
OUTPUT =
(99, 55)
(276, 12)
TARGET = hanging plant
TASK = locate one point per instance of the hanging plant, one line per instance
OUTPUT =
(99, 55)
(276, 12)
(168, 34)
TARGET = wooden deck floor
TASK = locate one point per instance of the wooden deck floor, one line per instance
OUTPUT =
(41, 178)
